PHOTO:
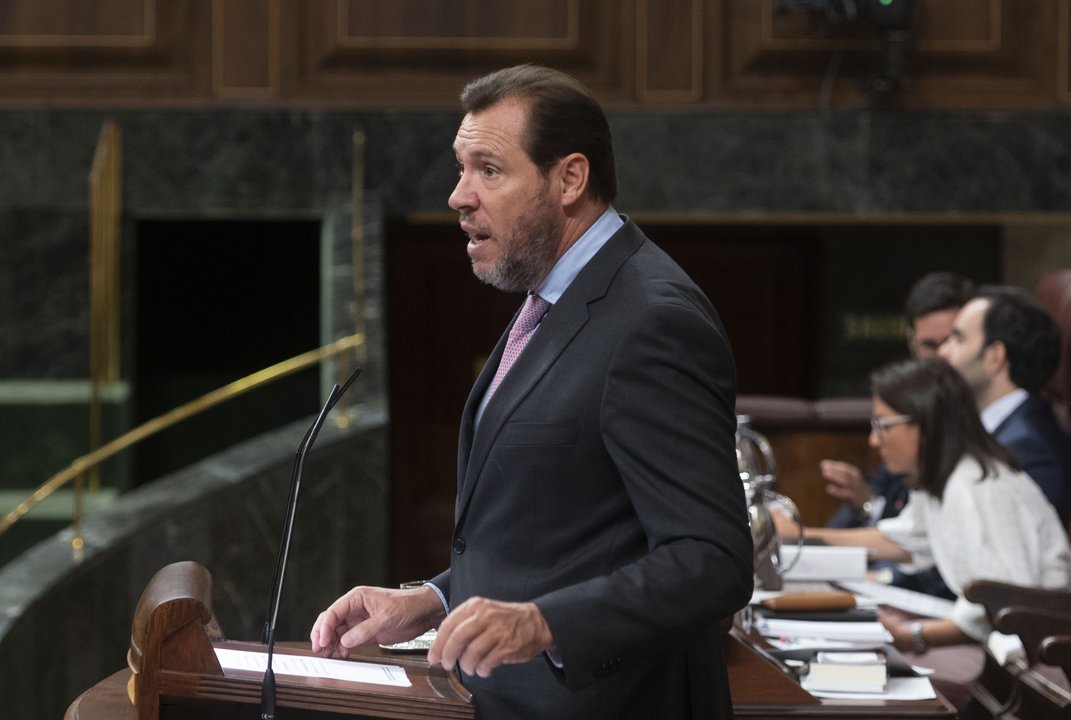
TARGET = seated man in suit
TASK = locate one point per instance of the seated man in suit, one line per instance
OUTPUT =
(930, 310)
(1007, 347)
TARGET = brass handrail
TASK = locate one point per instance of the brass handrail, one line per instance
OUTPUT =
(94, 458)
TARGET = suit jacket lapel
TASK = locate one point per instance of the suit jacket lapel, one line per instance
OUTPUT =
(556, 331)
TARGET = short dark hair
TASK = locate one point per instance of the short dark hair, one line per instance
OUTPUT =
(941, 404)
(1029, 334)
(937, 291)
(563, 118)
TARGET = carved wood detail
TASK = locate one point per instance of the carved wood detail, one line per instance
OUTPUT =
(669, 50)
(418, 53)
(964, 53)
(65, 52)
(246, 48)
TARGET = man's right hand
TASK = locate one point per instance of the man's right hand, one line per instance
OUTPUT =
(846, 483)
(383, 615)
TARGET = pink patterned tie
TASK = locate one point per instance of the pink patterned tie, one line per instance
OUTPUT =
(533, 311)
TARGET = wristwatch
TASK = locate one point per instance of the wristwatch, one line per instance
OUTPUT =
(919, 646)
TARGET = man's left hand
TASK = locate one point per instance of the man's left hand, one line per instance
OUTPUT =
(481, 634)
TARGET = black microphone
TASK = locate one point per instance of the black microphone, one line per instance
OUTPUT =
(267, 690)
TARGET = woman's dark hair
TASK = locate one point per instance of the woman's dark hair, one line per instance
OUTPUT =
(563, 118)
(941, 404)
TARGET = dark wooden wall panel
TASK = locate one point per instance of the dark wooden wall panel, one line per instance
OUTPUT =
(1063, 53)
(672, 54)
(964, 53)
(69, 52)
(669, 50)
(418, 53)
(59, 22)
(245, 52)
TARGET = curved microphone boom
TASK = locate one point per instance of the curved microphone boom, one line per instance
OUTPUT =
(267, 690)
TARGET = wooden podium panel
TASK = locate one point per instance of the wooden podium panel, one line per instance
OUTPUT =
(173, 662)
(108, 700)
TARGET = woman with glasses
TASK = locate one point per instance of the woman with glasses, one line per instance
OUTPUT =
(970, 512)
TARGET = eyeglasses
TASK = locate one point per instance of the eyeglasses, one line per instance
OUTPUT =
(880, 424)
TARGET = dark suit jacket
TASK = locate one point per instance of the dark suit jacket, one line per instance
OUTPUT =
(602, 484)
(1041, 449)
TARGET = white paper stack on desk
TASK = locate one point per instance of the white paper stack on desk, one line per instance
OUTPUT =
(864, 672)
(832, 671)
(818, 619)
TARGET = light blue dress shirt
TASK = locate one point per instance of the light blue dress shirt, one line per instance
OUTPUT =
(569, 266)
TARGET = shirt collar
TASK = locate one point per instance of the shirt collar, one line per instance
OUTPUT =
(999, 410)
(576, 257)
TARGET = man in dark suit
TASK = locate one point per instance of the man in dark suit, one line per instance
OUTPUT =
(600, 531)
(1007, 347)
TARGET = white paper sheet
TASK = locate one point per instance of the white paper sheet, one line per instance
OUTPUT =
(824, 562)
(306, 666)
(898, 688)
(858, 632)
(902, 598)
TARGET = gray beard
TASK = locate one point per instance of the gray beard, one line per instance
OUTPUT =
(527, 256)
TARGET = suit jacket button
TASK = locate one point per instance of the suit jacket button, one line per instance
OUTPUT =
(459, 545)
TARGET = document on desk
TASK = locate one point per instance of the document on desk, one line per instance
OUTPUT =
(856, 632)
(308, 666)
(902, 598)
(898, 688)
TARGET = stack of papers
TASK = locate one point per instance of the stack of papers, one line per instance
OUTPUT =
(847, 672)
(815, 642)
(869, 633)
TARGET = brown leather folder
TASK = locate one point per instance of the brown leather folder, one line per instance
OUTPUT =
(814, 600)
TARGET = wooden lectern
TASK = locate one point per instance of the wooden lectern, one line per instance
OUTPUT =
(176, 675)
(172, 656)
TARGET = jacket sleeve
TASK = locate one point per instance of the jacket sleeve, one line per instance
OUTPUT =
(668, 422)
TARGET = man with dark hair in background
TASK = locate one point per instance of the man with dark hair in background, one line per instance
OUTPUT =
(1007, 347)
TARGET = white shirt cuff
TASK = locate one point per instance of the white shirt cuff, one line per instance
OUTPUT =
(442, 598)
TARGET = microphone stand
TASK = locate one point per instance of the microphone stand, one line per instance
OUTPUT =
(267, 690)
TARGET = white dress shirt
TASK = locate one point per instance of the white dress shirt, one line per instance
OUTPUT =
(999, 527)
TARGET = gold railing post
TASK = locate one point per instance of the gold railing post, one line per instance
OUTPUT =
(105, 211)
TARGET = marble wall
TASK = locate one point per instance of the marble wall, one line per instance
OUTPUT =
(270, 163)
(65, 624)
(231, 163)
(234, 163)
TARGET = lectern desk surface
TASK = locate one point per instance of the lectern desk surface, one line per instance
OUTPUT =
(109, 699)
(760, 689)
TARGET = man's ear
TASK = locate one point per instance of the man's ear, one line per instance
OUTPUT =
(995, 357)
(574, 169)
